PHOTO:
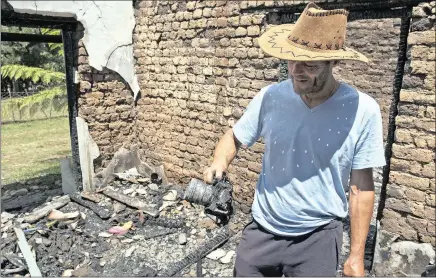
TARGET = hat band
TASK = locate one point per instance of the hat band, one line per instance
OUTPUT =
(313, 45)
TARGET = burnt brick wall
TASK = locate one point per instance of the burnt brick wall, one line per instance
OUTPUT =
(106, 103)
(410, 202)
(199, 65)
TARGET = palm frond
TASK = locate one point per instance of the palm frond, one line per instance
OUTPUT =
(35, 74)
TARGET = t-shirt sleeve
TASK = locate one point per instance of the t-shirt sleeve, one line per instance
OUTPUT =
(247, 129)
(369, 152)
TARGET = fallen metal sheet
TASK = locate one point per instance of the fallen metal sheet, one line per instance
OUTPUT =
(131, 201)
(42, 212)
(103, 213)
(222, 236)
(27, 254)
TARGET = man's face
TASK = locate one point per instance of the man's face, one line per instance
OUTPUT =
(309, 77)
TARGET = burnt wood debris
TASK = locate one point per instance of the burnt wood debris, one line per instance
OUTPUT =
(82, 233)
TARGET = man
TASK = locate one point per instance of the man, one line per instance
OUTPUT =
(322, 139)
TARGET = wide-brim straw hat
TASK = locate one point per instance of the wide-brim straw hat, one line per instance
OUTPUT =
(318, 35)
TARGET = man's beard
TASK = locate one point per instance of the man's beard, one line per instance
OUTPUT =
(311, 86)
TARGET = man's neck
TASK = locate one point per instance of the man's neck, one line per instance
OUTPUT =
(314, 99)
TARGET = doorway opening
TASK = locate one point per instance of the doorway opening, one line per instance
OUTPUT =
(39, 107)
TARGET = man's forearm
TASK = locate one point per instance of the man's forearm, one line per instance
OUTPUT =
(226, 149)
(361, 210)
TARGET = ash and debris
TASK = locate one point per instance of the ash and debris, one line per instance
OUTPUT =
(84, 246)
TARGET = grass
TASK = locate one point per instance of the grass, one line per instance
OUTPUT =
(30, 149)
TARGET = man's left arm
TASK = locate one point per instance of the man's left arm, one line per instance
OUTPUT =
(361, 205)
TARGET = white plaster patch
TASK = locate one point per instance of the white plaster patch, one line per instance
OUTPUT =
(108, 34)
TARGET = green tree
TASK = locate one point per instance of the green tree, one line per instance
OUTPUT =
(37, 64)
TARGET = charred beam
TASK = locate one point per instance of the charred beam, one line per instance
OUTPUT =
(350, 5)
(158, 233)
(103, 213)
(19, 37)
(131, 202)
(166, 222)
(11, 18)
(223, 235)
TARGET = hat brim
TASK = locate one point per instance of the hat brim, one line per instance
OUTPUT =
(275, 43)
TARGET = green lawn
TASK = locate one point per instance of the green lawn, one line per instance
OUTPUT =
(32, 148)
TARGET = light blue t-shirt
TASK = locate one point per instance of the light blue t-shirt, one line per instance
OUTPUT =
(309, 154)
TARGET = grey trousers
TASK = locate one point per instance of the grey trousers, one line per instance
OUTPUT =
(261, 253)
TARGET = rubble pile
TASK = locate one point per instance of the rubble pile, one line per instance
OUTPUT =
(131, 227)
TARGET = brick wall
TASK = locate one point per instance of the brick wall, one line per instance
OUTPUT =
(410, 203)
(106, 103)
(199, 65)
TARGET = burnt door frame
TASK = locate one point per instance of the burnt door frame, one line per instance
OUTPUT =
(68, 26)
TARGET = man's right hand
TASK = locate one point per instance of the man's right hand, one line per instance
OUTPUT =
(216, 170)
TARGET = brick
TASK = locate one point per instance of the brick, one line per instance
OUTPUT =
(240, 32)
(227, 111)
(394, 223)
(416, 223)
(409, 180)
(234, 21)
(253, 166)
(403, 136)
(415, 195)
(424, 53)
(430, 199)
(253, 31)
(207, 12)
(428, 170)
(421, 38)
(430, 112)
(429, 213)
(258, 18)
(431, 228)
(423, 67)
(245, 20)
(85, 86)
(221, 22)
(420, 142)
(428, 239)
(395, 191)
(413, 122)
(190, 6)
(429, 82)
(244, 102)
(409, 152)
(417, 97)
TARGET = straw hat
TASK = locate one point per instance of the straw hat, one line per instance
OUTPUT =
(318, 35)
